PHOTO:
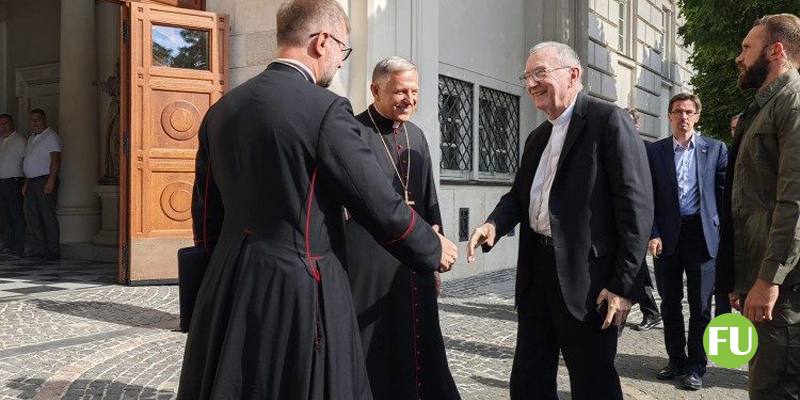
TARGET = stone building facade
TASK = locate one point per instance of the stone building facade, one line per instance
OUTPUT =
(63, 56)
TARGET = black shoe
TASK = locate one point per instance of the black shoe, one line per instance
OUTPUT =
(692, 381)
(671, 371)
(648, 322)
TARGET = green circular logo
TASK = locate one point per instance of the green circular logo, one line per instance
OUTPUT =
(730, 340)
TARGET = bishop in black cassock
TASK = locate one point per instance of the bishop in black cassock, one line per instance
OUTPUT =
(396, 304)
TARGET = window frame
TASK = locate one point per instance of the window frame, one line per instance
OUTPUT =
(512, 137)
(474, 175)
(468, 119)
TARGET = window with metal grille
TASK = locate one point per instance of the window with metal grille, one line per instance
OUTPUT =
(498, 131)
(622, 25)
(455, 121)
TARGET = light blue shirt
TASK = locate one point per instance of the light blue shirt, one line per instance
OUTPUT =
(686, 174)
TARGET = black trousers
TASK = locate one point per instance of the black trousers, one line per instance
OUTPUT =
(643, 292)
(690, 257)
(545, 327)
(12, 214)
(722, 305)
(41, 210)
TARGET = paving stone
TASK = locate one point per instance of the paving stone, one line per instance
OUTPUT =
(116, 342)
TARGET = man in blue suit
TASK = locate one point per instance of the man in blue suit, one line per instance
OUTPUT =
(688, 175)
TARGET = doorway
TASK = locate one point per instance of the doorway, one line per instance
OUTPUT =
(174, 68)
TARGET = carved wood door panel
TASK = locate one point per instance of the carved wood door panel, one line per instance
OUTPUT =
(177, 69)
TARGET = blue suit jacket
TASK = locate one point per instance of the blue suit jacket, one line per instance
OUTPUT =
(712, 158)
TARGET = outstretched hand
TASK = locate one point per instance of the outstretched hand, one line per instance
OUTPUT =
(483, 234)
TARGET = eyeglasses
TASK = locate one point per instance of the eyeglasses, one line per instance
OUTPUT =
(539, 74)
(346, 50)
(688, 114)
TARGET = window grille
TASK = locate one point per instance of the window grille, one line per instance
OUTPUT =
(622, 25)
(455, 120)
(498, 131)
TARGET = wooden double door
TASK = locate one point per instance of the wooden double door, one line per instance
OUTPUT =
(175, 68)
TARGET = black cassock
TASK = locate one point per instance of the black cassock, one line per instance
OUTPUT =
(274, 319)
(397, 306)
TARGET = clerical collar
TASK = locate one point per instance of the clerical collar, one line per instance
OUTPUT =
(385, 125)
(300, 67)
(566, 115)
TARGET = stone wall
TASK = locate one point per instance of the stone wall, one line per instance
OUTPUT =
(32, 39)
(635, 58)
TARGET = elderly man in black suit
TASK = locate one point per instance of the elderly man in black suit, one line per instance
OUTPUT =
(583, 196)
(279, 156)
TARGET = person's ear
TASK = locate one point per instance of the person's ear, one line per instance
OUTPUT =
(776, 49)
(319, 44)
(375, 89)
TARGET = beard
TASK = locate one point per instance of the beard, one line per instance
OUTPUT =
(325, 80)
(753, 77)
(326, 77)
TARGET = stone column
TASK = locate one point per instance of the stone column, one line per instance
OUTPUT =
(78, 210)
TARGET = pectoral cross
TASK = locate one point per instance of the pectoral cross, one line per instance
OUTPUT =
(408, 200)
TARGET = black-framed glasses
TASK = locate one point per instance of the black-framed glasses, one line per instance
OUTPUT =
(539, 74)
(346, 50)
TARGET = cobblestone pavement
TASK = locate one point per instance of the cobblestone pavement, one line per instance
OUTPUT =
(115, 342)
(479, 325)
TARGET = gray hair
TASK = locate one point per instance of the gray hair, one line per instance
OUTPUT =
(566, 55)
(384, 68)
(299, 19)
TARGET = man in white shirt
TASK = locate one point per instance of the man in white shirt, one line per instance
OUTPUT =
(41, 166)
(583, 197)
(12, 219)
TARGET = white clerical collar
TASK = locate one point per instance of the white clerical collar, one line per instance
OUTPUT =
(298, 65)
(395, 124)
(566, 115)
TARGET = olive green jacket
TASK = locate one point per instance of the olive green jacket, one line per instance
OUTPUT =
(764, 203)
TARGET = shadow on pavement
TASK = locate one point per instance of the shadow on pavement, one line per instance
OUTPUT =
(644, 368)
(491, 382)
(115, 313)
(93, 389)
